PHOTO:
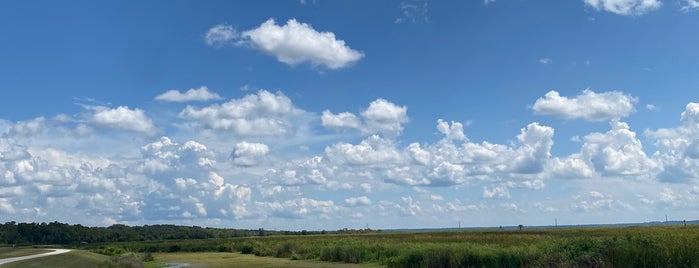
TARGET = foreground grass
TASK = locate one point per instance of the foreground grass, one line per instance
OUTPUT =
(654, 246)
(19, 252)
(663, 246)
(234, 260)
(73, 259)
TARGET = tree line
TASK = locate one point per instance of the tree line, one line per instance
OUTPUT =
(12, 233)
(56, 233)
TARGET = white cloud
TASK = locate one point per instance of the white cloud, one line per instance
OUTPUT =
(497, 192)
(617, 152)
(678, 148)
(123, 118)
(358, 201)
(384, 116)
(455, 131)
(381, 116)
(221, 35)
(340, 121)
(690, 5)
(263, 113)
(249, 153)
(535, 146)
(199, 94)
(296, 43)
(414, 11)
(487, 2)
(545, 61)
(589, 105)
(625, 7)
(592, 201)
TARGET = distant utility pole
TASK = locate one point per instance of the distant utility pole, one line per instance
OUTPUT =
(459, 224)
(665, 218)
(556, 222)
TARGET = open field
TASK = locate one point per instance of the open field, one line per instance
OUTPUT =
(233, 260)
(655, 246)
(75, 258)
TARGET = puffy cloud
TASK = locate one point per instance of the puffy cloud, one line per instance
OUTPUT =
(498, 192)
(625, 7)
(589, 105)
(455, 131)
(372, 151)
(123, 118)
(535, 146)
(616, 152)
(381, 116)
(358, 201)
(296, 43)
(384, 116)
(592, 201)
(300, 208)
(199, 94)
(249, 153)
(690, 5)
(263, 113)
(545, 61)
(340, 121)
(221, 35)
(678, 148)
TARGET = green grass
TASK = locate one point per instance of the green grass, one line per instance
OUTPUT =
(73, 259)
(19, 252)
(651, 246)
(234, 260)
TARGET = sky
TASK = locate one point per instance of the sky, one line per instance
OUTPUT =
(317, 114)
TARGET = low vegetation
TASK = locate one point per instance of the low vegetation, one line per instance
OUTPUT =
(648, 246)
(587, 247)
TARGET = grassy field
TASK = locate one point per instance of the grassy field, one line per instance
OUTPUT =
(75, 258)
(234, 260)
(18, 252)
(649, 246)
(660, 246)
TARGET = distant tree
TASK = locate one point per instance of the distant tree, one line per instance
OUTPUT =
(261, 232)
(520, 227)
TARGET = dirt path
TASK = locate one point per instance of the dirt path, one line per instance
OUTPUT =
(54, 252)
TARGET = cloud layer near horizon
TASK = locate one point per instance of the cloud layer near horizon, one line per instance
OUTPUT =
(224, 162)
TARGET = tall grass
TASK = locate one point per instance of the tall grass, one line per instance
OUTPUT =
(588, 247)
(659, 246)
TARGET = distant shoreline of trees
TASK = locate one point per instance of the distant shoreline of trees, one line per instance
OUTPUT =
(56, 233)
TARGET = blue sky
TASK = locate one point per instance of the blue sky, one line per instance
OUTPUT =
(333, 114)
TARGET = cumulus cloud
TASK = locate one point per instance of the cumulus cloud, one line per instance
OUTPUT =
(381, 116)
(617, 152)
(592, 201)
(200, 94)
(678, 147)
(453, 131)
(358, 201)
(625, 7)
(221, 35)
(589, 105)
(545, 61)
(497, 192)
(264, 113)
(295, 43)
(249, 153)
(123, 118)
(415, 11)
(690, 5)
